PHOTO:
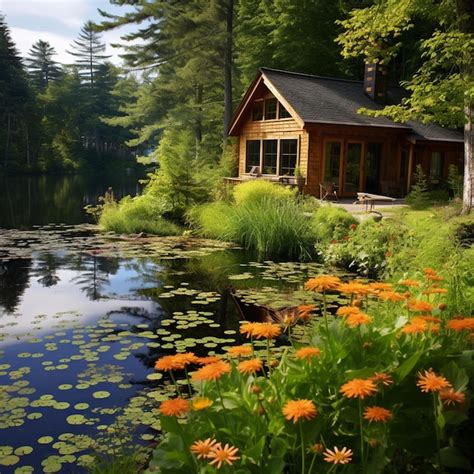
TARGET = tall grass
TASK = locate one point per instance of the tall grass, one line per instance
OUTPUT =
(139, 214)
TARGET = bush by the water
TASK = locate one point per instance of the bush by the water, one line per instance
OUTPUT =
(265, 218)
(138, 214)
(332, 223)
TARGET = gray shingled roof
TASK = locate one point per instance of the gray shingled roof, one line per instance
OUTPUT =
(328, 100)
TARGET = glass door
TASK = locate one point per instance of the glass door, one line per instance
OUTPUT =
(352, 168)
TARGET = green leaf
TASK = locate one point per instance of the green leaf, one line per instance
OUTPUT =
(452, 457)
(407, 366)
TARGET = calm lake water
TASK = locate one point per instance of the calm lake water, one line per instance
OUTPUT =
(84, 316)
(38, 200)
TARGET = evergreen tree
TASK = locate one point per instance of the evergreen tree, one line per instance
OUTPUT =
(41, 66)
(88, 50)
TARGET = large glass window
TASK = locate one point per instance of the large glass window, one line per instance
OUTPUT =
(373, 161)
(436, 167)
(288, 156)
(257, 110)
(270, 156)
(332, 162)
(352, 176)
(253, 155)
(282, 112)
(271, 109)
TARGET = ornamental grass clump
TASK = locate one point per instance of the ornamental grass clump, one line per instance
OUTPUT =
(383, 393)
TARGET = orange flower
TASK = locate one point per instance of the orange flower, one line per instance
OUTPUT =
(174, 407)
(354, 288)
(208, 360)
(305, 310)
(430, 382)
(168, 362)
(377, 287)
(221, 455)
(266, 330)
(434, 277)
(356, 319)
(464, 324)
(212, 371)
(185, 358)
(317, 448)
(384, 379)
(358, 388)
(409, 283)
(377, 414)
(307, 353)
(250, 366)
(429, 319)
(415, 326)
(297, 409)
(204, 448)
(239, 351)
(201, 403)
(450, 397)
(347, 311)
(391, 296)
(420, 306)
(344, 456)
(429, 271)
(435, 291)
(322, 283)
(248, 329)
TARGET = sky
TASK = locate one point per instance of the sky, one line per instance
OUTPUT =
(59, 22)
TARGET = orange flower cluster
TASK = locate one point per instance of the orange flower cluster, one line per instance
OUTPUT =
(463, 324)
(212, 450)
(430, 382)
(358, 388)
(377, 414)
(353, 316)
(212, 371)
(378, 287)
(430, 274)
(345, 311)
(322, 283)
(392, 296)
(299, 409)
(304, 311)
(435, 291)
(176, 362)
(336, 456)
(174, 407)
(354, 288)
(409, 283)
(260, 330)
(250, 366)
(208, 360)
(307, 353)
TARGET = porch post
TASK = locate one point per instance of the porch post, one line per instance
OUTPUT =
(410, 167)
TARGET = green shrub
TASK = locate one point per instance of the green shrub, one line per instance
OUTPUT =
(213, 220)
(139, 214)
(252, 192)
(418, 197)
(332, 223)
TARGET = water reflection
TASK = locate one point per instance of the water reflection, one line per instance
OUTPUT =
(39, 200)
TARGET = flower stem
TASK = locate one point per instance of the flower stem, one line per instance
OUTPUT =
(435, 415)
(361, 435)
(222, 403)
(189, 383)
(312, 463)
(302, 447)
(175, 383)
(268, 358)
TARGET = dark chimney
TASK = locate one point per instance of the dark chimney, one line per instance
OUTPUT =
(375, 82)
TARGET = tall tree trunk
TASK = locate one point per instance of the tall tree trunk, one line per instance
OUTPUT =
(7, 141)
(228, 67)
(465, 14)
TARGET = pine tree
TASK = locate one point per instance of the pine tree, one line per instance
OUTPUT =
(41, 66)
(88, 50)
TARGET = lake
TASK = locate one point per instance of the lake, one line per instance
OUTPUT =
(38, 200)
(83, 318)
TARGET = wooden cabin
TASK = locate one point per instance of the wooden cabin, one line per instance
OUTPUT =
(289, 121)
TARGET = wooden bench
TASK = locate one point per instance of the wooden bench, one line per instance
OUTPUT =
(370, 199)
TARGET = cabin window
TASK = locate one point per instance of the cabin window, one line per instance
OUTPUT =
(270, 156)
(257, 110)
(271, 109)
(288, 156)
(253, 155)
(332, 162)
(436, 167)
(373, 161)
(282, 112)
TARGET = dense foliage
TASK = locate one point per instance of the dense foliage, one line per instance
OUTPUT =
(347, 389)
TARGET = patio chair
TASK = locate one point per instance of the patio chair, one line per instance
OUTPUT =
(326, 189)
(255, 172)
